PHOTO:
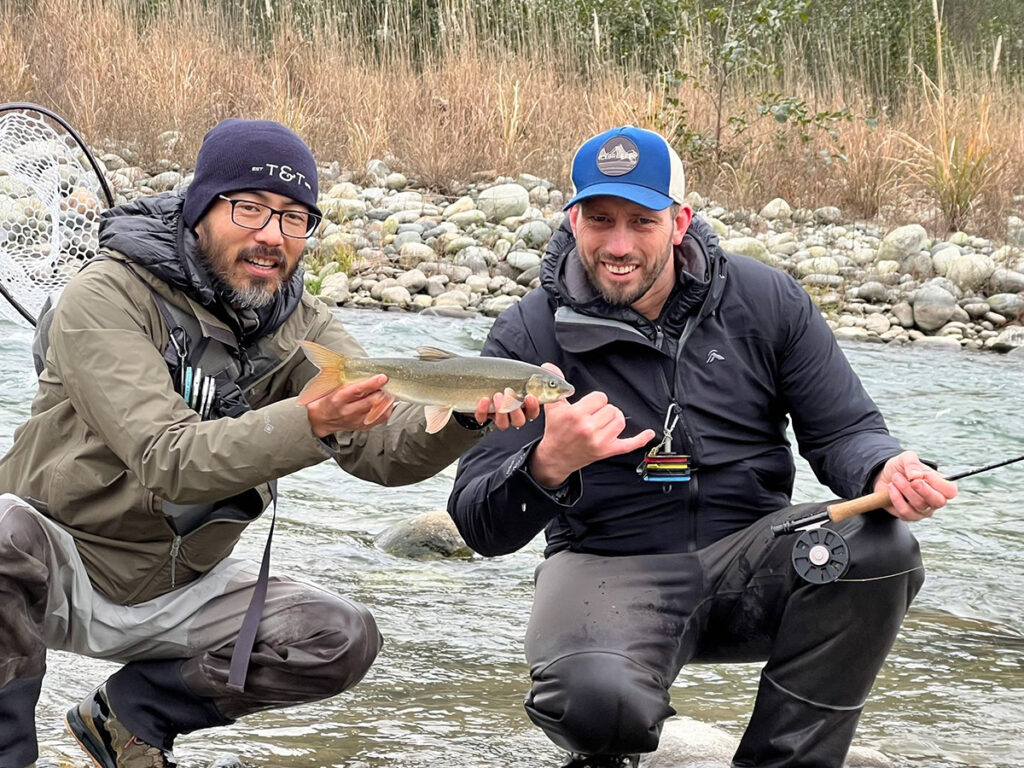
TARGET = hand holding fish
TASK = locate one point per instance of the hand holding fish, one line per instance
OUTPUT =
(915, 489)
(359, 393)
(578, 434)
(361, 405)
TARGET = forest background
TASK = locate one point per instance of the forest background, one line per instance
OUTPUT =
(901, 110)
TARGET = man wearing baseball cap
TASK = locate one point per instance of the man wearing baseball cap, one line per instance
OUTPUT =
(657, 488)
(165, 414)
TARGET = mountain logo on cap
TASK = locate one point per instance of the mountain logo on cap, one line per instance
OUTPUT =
(617, 157)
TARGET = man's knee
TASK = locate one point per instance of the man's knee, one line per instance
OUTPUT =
(882, 547)
(341, 642)
(599, 703)
(21, 533)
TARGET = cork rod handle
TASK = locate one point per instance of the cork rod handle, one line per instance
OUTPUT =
(858, 506)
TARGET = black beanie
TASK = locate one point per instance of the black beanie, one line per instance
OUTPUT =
(250, 154)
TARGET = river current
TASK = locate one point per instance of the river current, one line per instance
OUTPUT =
(448, 686)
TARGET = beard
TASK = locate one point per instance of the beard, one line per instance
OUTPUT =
(244, 291)
(624, 295)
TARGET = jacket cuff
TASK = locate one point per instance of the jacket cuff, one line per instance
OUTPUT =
(565, 495)
(466, 421)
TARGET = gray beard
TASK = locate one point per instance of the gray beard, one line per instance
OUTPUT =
(252, 297)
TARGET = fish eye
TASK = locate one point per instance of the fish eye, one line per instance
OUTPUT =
(553, 383)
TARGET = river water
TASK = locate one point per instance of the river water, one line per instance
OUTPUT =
(448, 687)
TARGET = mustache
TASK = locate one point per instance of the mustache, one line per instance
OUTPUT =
(262, 252)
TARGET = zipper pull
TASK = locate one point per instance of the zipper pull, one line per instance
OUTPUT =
(175, 547)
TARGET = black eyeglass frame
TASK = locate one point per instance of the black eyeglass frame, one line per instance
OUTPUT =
(314, 218)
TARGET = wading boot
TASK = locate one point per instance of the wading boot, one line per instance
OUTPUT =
(106, 739)
(601, 761)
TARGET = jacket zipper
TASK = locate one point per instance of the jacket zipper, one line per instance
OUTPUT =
(175, 548)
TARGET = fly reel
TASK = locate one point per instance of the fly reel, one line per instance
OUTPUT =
(820, 555)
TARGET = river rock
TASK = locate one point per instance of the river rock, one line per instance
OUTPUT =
(940, 342)
(776, 209)
(429, 535)
(464, 203)
(748, 246)
(395, 181)
(452, 298)
(395, 295)
(523, 260)
(933, 307)
(495, 306)
(827, 214)
(470, 218)
(877, 323)
(1006, 281)
(970, 270)
(335, 288)
(411, 255)
(902, 242)
(342, 209)
(413, 281)
(503, 201)
(1009, 339)
(534, 234)
(1006, 304)
(873, 291)
(689, 743)
(820, 265)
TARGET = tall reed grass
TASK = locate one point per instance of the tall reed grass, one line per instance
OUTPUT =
(501, 88)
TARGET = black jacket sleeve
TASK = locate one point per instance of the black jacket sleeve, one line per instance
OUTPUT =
(496, 504)
(838, 427)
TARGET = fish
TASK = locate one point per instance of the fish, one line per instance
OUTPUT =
(440, 381)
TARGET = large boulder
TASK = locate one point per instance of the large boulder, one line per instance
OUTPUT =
(970, 270)
(429, 535)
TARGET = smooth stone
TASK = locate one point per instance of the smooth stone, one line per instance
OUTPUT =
(464, 203)
(395, 181)
(873, 291)
(413, 281)
(941, 342)
(970, 270)
(748, 246)
(1010, 338)
(1006, 304)
(428, 535)
(495, 306)
(933, 307)
(776, 209)
(1006, 281)
(395, 295)
(944, 256)
(523, 260)
(503, 201)
(901, 242)
(453, 298)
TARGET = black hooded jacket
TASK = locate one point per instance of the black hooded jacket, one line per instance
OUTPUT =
(740, 347)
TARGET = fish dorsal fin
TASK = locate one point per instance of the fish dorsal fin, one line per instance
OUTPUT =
(433, 354)
(437, 417)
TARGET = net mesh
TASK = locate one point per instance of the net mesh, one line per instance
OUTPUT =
(49, 210)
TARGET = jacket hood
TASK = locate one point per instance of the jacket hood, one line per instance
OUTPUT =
(697, 257)
(151, 232)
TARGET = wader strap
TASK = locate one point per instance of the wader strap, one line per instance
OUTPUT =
(251, 623)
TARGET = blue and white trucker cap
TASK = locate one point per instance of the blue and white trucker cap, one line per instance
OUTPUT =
(631, 163)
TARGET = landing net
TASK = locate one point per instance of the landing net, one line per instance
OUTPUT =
(50, 201)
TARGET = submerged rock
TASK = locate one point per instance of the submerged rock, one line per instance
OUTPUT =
(430, 535)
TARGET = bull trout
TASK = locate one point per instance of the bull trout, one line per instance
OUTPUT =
(439, 381)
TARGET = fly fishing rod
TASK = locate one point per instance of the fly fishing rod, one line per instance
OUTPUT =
(821, 555)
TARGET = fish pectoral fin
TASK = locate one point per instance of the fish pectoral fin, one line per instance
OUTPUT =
(433, 354)
(379, 410)
(510, 401)
(437, 417)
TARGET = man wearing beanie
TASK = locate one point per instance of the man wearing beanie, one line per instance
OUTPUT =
(165, 414)
(659, 551)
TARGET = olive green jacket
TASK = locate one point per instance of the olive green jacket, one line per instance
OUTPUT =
(109, 439)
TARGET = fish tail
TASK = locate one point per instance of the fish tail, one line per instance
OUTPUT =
(332, 371)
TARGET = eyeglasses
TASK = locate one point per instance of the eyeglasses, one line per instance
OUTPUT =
(251, 215)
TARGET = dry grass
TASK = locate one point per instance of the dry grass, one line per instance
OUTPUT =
(478, 102)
